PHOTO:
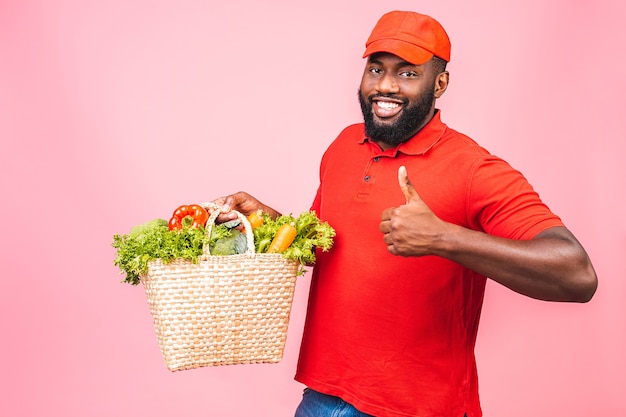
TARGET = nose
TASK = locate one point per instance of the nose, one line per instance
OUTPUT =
(387, 84)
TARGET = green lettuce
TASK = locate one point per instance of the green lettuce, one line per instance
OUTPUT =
(153, 240)
(311, 233)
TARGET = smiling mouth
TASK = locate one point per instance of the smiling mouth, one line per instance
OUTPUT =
(385, 109)
(387, 105)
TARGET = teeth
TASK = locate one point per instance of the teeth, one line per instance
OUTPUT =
(387, 105)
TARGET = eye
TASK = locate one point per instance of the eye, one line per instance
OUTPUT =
(409, 74)
(375, 70)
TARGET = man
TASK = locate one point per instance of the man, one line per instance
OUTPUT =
(394, 306)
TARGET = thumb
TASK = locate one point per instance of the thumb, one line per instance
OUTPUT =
(406, 186)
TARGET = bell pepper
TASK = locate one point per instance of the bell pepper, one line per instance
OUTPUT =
(192, 215)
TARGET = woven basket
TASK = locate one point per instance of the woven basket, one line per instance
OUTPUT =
(223, 310)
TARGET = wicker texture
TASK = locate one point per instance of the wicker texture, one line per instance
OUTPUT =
(223, 310)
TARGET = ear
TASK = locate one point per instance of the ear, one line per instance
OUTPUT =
(441, 83)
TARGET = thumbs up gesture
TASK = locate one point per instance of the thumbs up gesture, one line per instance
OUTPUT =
(410, 229)
(406, 186)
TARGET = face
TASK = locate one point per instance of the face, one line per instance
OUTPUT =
(397, 98)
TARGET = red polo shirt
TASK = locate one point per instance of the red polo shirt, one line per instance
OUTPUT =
(395, 336)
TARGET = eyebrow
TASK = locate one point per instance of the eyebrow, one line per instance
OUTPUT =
(402, 63)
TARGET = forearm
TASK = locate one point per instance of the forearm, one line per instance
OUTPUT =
(553, 266)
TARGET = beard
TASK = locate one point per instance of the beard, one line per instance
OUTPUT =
(410, 121)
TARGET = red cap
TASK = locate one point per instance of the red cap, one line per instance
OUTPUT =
(412, 36)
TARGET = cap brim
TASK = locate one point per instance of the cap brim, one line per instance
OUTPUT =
(407, 51)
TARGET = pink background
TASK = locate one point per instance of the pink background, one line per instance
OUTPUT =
(114, 112)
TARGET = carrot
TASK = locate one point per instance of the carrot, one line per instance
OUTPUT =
(284, 237)
(256, 219)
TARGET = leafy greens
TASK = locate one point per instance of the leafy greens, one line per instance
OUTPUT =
(154, 240)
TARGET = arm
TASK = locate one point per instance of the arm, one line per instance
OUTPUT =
(552, 266)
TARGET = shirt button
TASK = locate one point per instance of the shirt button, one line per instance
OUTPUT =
(377, 159)
(367, 178)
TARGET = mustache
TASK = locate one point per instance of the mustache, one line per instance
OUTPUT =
(404, 100)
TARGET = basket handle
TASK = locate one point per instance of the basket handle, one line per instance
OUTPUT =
(215, 210)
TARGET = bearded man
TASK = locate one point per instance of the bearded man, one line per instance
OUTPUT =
(394, 306)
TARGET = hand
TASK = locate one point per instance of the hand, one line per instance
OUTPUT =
(410, 229)
(241, 202)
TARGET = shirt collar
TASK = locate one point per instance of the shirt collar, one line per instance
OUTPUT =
(423, 140)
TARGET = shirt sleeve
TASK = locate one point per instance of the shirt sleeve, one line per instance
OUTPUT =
(503, 203)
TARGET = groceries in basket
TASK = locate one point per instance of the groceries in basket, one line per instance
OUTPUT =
(220, 294)
(184, 237)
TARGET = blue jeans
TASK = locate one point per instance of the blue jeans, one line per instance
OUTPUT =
(316, 404)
